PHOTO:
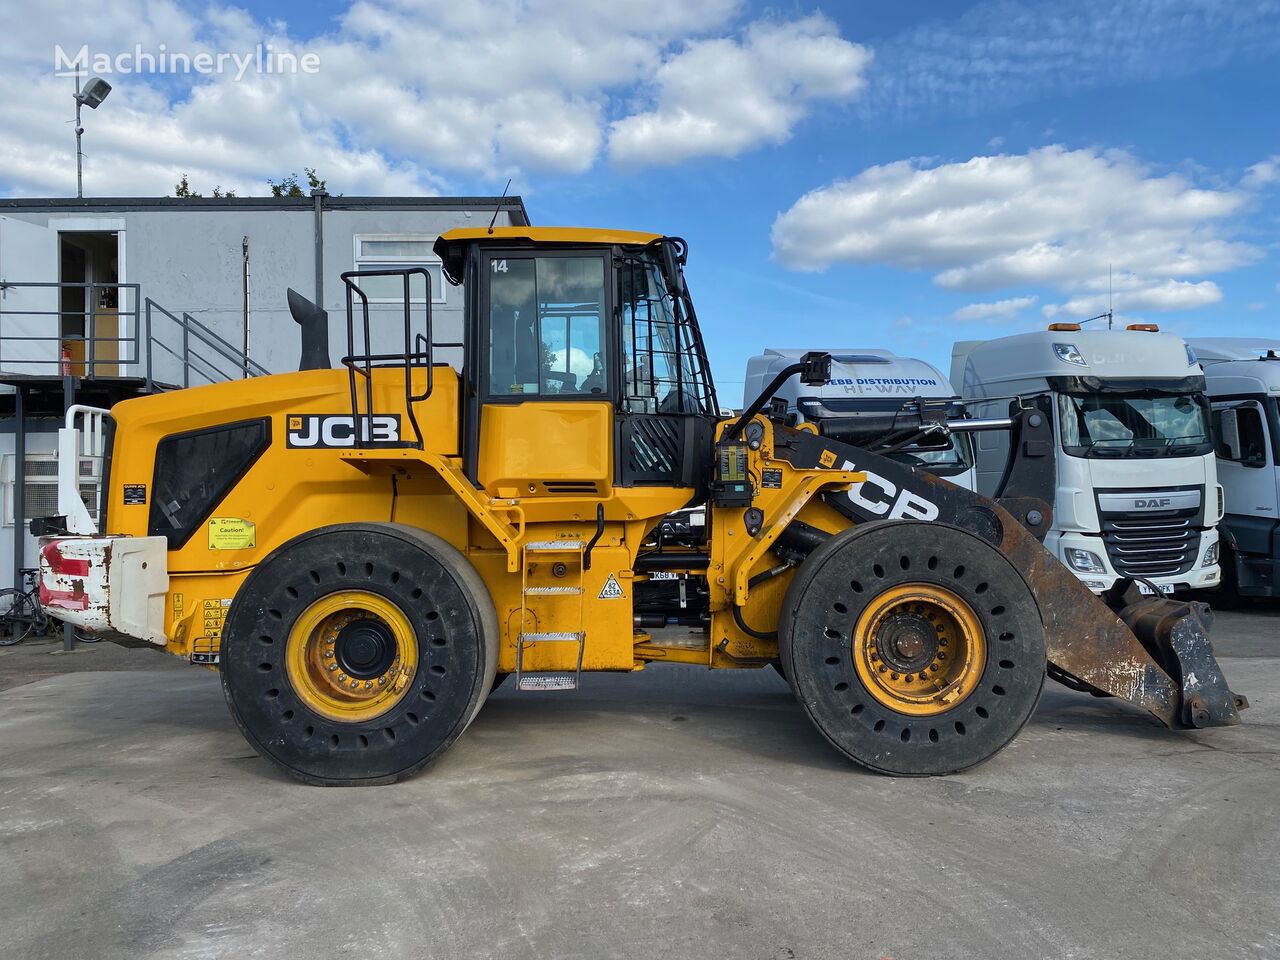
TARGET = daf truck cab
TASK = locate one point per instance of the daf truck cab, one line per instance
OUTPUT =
(1242, 379)
(1136, 482)
(898, 406)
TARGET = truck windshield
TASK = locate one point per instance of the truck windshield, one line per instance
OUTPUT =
(1133, 425)
(956, 458)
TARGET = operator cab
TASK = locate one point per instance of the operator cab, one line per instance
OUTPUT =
(587, 341)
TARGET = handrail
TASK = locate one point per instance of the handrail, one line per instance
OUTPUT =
(417, 350)
(190, 358)
(75, 445)
(61, 363)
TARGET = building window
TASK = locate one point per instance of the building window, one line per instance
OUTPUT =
(395, 252)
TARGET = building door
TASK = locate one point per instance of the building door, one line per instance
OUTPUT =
(29, 321)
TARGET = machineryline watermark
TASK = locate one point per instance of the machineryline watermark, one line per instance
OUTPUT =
(263, 59)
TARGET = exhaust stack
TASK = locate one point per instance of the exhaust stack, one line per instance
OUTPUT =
(315, 332)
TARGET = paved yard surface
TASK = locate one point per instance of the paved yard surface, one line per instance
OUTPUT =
(673, 814)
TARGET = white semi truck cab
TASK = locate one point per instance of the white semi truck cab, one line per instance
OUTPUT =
(1242, 379)
(880, 401)
(1137, 492)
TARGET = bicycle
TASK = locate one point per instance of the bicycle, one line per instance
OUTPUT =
(21, 614)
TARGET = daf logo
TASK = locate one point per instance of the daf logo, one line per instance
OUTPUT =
(1158, 503)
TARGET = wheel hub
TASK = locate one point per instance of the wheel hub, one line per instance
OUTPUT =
(919, 649)
(364, 649)
(350, 655)
(908, 642)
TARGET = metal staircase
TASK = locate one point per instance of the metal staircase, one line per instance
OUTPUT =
(566, 562)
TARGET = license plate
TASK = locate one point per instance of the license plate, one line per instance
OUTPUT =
(1164, 587)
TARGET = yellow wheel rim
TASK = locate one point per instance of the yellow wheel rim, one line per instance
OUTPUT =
(919, 649)
(351, 655)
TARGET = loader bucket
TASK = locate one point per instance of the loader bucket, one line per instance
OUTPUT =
(1152, 651)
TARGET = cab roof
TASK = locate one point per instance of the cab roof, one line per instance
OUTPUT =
(451, 245)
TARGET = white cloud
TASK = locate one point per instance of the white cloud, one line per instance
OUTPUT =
(1080, 222)
(408, 97)
(723, 96)
(1262, 174)
(1166, 295)
(999, 310)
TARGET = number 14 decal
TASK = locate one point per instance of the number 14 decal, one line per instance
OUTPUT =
(499, 266)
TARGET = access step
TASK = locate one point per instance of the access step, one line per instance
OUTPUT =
(554, 546)
(547, 681)
(557, 636)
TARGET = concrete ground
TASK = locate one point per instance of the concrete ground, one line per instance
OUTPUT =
(670, 814)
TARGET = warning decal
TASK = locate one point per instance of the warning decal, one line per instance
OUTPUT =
(231, 533)
(612, 590)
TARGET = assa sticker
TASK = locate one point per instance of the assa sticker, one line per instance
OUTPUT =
(309, 431)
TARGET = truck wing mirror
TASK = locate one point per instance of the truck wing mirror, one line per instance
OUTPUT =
(1229, 433)
(817, 368)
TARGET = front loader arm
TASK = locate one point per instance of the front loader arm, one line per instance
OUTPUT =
(1153, 652)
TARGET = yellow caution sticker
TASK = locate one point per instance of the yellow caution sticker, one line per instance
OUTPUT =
(231, 533)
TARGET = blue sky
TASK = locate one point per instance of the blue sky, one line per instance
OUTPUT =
(861, 174)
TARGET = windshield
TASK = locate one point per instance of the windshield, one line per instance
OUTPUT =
(1133, 425)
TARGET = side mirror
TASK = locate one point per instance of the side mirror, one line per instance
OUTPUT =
(1229, 433)
(671, 269)
(817, 368)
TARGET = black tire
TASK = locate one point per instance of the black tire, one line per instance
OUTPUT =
(454, 625)
(853, 570)
(18, 616)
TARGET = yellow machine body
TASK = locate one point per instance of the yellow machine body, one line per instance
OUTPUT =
(290, 490)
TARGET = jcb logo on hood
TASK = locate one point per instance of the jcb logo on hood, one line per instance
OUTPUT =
(338, 431)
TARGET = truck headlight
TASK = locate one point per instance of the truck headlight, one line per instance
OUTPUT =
(1211, 555)
(1085, 561)
(1068, 353)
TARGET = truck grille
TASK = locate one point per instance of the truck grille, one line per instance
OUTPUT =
(1161, 543)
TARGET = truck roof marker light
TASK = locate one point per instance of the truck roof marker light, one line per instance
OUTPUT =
(1064, 327)
(1069, 353)
(1144, 327)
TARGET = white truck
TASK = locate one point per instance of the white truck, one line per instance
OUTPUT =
(1137, 493)
(1242, 379)
(894, 405)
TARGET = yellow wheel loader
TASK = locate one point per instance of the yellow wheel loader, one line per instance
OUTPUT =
(364, 551)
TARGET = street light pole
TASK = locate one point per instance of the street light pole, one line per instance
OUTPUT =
(91, 96)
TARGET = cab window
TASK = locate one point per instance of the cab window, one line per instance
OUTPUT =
(657, 356)
(547, 334)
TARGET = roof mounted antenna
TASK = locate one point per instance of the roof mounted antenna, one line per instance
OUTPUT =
(494, 218)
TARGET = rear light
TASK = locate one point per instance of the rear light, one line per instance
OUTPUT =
(52, 555)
